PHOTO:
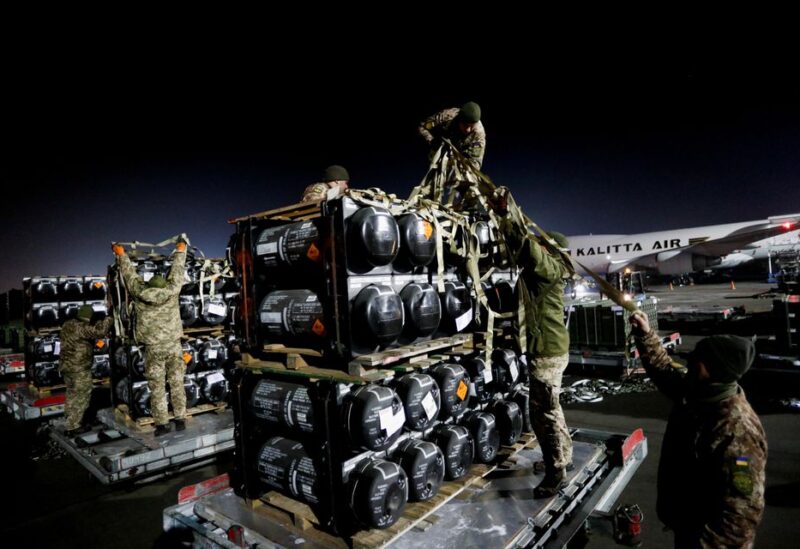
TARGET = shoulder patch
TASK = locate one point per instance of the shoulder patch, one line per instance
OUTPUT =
(742, 477)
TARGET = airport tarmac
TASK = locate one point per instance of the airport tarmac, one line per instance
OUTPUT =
(54, 502)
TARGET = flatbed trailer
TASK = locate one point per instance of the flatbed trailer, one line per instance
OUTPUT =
(615, 361)
(24, 402)
(116, 451)
(495, 510)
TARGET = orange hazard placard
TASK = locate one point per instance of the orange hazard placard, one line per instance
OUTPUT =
(462, 390)
(428, 229)
(98, 284)
(99, 343)
(187, 357)
(318, 328)
(313, 252)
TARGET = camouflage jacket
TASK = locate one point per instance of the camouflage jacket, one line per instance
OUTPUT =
(322, 191)
(713, 458)
(77, 342)
(543, 277)
(443, 125)
(156, 310)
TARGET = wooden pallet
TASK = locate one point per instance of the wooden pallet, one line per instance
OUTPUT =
(409, 354)
(300, 211)
(122, 413)
(297, 366)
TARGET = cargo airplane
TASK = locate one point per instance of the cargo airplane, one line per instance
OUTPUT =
(683, 251)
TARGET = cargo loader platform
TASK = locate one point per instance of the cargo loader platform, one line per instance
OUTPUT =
(115, 452)
(25, 402)
(494, 510)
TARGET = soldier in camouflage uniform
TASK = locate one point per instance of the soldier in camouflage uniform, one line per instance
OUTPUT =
(462, 127)
(78, 338)
(159, 329)
(711, 471)
(334, 182)
(542, 278)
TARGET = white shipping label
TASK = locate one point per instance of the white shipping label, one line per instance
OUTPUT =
(514, 370)
(98, 307)
(215, 378)
(47, 348)
(487, 374)
(271, 318)
(216, 309)
(472, 391)
(391, 422)
(429, 405)
(268, 248)
(147, 276)
(212, 354)
(463, 320)
(57, 350)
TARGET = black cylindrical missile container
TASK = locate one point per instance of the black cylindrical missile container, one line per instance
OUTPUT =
(421, 400)
(46, 374)
(373, 238)
(417, 242)
(192, 390)
(378, 492)
(295, 245)
(509, 420)
(214, 387)
(212, 354)
(101, 366)
(484, 433)
(283, 403)
(141, 400)
(457, 447)
(44, 290)
(189, 356)
(423, 310)
(373, 417)
(188, 310)
(480, 376)
(454, 385)
(284, 464)
(456, 307)
(292, 314)
(94, 288)
(136, 362)
(45, 315)
(505, 369)
(215, 310)
(377, 316)
(423, 463)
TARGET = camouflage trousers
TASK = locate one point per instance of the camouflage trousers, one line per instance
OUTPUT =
(79, 393)
(547, 418)
(164, 363)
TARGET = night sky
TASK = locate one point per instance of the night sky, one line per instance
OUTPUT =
(102, 148)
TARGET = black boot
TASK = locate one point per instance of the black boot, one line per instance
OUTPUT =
(540, 467)
(553, 482)
(162, 429)
(180, 424)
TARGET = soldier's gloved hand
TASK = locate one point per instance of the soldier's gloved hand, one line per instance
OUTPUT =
(640, 324)
(185, 239)
(118, 249)
(180, 246)
(498, 202)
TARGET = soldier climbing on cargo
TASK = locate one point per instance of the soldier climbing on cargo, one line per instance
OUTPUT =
(542, 278)
(711, 473)
(462, 127)
(158, 329)
(78, 337)
(334, 182)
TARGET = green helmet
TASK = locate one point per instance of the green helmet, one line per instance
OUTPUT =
(335, 173)
(560, 239)
(85, 313)
(157, 281)
(470, 112)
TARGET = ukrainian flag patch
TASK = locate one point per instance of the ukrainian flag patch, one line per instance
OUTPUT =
(742, 461)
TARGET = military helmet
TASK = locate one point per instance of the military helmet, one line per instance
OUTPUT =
(157, 281)
(85, 313)
(560, 239)
(335, 173)
(470, 112)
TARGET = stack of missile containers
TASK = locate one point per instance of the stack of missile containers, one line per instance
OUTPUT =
(207, 301)
(604, 324)
(48, 302)
(349, 277)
